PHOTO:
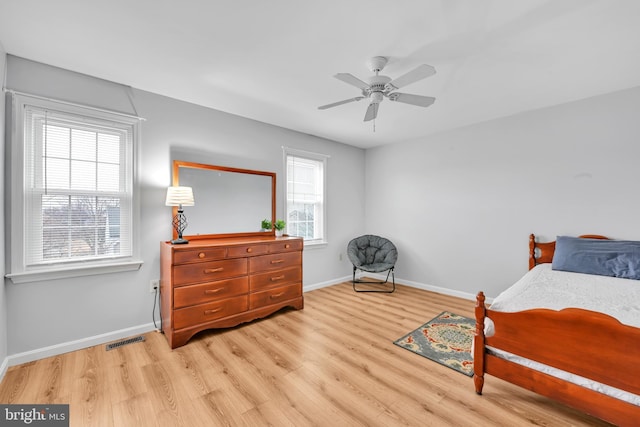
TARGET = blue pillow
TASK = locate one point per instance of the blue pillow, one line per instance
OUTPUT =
(615, 258)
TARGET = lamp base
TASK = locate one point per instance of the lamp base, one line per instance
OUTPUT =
(179, 241)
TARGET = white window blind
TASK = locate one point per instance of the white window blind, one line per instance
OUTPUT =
(305, 203)
(78, 184)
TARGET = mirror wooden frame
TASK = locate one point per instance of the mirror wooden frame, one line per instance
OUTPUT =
(177, 164)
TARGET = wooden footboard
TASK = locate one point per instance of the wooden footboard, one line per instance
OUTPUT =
(585, 343)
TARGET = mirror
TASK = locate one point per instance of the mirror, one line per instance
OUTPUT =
(228, 201)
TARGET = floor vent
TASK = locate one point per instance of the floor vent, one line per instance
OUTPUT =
(119, 344)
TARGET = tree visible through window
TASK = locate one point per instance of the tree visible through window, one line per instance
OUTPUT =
(76, 227)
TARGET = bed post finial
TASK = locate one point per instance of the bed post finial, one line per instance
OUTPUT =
(532, 251)
(478, 343)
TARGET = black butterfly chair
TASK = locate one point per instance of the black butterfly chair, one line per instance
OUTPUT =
(373, 254)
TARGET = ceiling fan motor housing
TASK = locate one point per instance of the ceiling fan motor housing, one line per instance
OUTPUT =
(376, 88)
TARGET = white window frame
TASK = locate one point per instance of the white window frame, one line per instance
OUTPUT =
(20, 272)
(323, 159)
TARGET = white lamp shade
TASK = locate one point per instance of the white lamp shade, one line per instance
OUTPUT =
(177, 196)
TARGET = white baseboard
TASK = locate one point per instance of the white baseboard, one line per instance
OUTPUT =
(3, 368)
(54, 350)
(325, 284)
(438, 289)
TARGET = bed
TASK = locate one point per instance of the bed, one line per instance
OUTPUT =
(570, 352)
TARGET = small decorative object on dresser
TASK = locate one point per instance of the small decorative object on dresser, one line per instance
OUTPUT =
(279, 226)
(266, 225)
(223, 282)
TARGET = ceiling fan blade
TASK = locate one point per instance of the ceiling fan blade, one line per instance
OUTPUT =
(352, 80)
(421, 72)
(372, 112)
(407, 98)
(335, 104)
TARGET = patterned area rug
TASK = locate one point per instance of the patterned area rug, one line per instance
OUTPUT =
(445, 339)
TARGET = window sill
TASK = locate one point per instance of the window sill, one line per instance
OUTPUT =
(315, 244)
(53, 274)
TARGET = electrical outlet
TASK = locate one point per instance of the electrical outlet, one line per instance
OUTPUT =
(153, 285)
(340, 256)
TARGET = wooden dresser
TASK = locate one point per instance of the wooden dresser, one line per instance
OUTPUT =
(219, 283)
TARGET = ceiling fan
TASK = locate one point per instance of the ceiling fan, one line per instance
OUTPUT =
(380, 87)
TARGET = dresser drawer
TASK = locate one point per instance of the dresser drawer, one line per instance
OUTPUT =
(190, 316)
(274, 296)
(206, 292)
(286, 246)
(274, 262)
(203, 254)
(275, 278)
(209, 271)
(247, 250)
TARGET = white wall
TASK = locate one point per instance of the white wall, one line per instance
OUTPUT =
(460, 205)
(3, 302)
(75, 312)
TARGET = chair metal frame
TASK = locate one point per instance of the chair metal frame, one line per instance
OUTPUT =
(390, 272)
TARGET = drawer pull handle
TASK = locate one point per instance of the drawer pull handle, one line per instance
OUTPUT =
(249, 250)
(287, 246)
(274, 296)
(213, 270)
(212, 311)
(201, 255)
(213, 291)
(273, 279)
(277, 261)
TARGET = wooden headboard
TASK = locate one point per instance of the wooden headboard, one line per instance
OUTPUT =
(540, 253)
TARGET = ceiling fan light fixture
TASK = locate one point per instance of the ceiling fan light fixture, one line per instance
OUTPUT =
(376, 97)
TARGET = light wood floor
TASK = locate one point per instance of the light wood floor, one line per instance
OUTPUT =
(332, 364)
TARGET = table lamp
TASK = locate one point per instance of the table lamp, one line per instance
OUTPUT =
(179, 196)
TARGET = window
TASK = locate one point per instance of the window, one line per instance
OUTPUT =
(306, 202)
(72, 188)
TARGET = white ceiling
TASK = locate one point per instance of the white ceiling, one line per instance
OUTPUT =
(273, 61)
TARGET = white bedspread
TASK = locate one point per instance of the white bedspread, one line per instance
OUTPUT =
(543, 287)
